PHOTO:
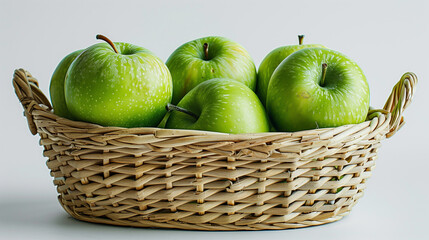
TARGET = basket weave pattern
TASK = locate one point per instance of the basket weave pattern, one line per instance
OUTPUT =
(152, 177)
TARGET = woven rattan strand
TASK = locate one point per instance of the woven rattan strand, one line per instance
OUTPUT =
(165, 178)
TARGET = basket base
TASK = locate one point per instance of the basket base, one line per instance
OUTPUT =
(143, 223)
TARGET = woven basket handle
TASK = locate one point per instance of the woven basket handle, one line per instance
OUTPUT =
(399, 99)
(28, 92)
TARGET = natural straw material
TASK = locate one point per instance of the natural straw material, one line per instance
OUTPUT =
(152, 177)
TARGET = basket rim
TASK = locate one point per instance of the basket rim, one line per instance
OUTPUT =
(33, 100)
(187, 132)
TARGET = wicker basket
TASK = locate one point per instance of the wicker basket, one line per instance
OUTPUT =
(164, 178)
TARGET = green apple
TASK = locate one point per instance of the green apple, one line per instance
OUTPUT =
(317, 88)
(164, 120)
(270, 63)
(118, 84)
(206, 58)
(56, 87)
(220, 105)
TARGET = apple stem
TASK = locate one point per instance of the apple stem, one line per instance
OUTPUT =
(170, 107)
(102, 37)
(206, 51)
(324, 67)
(300, 39)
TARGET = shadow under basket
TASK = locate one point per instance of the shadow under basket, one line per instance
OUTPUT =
(197, 180)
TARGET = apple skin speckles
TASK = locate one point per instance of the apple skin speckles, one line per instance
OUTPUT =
(296, 100)
(223, 105)
(227, 59)
(114, 89)
(271, 62)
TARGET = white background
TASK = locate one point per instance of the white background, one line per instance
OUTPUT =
(386, 38)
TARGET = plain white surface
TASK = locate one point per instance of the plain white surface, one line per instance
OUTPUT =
(386, 38)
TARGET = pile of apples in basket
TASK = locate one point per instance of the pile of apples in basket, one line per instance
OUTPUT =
(210, 84)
